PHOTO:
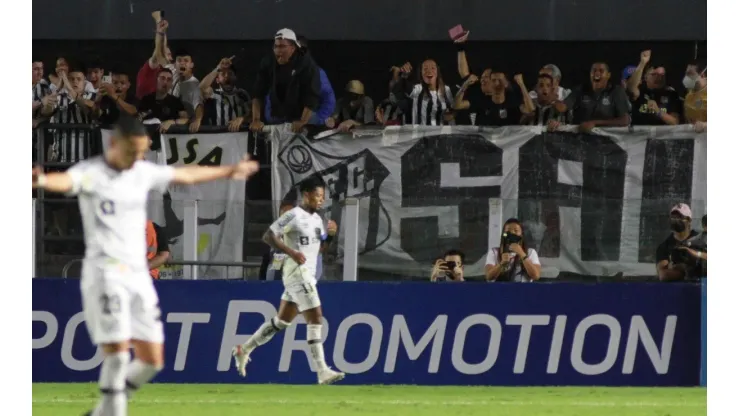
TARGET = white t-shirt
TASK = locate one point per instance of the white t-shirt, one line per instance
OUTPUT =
(519, 274)
(303, 232)
(188, 91)
(113, 208)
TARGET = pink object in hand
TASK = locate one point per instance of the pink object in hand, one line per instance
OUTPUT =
(456, 32)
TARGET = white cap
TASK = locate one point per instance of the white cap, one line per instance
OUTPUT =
(287, 34)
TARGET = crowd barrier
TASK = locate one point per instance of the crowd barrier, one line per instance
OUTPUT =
(593, 205)
(405, 333)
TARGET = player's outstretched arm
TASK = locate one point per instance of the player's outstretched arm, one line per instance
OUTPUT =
(59, 182)
(189, 175)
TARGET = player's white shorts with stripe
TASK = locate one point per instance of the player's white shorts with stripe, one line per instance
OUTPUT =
(120, 305)
(300, 287)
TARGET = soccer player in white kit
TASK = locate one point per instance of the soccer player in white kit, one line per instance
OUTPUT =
(120, 304)
(300, 234)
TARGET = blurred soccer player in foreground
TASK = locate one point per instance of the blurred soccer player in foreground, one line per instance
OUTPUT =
(120, 304)
(300, 234)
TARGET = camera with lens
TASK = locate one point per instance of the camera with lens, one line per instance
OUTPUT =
(444, 275)
(511, 239)
(680, 256)
(694, 267)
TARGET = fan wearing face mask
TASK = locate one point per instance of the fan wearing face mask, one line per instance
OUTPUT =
(512, 260)
(670, 264)
(695, 103)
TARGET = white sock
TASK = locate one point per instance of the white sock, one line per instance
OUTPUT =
(139, 373)
(265, 333)
(317, 348)
(113, 385)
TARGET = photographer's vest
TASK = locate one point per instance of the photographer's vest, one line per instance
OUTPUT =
(151, 247)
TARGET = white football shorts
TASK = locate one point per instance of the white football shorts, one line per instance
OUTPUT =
(120, 305)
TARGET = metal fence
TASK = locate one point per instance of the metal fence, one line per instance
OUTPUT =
(57, 231)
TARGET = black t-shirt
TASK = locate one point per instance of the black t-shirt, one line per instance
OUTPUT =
(606, 104)
(167, 108)
(488, 113)
(110, 110)
(473, 93)
(666, 98)
(162, 238)
(666, 247)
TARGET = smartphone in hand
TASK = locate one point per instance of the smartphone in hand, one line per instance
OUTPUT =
(456, 32)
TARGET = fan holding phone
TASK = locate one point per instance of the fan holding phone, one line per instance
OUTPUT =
(449, 267)
(512, 261)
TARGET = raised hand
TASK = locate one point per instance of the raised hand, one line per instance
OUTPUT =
(645, 56)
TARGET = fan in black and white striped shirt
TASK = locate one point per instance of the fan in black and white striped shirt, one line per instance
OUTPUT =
(226, 105)
(544, 112)
(431, 99)
(73, 106)
(40, 87)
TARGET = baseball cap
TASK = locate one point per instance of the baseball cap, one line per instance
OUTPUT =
(287, 34)
(627, 72)
(682, 209)
(356, 87)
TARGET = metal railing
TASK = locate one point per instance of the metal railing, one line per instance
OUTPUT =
(244, 265)
(189, 259)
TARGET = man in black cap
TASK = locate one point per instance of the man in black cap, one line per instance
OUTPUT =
(291, 79)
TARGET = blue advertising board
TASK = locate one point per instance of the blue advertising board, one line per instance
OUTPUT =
(405, 333)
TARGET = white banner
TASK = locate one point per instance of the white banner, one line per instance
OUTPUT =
(591, 204)
(221, 203)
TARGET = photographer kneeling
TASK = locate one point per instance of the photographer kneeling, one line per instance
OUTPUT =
(449, 267)
(683, 255)
(512, 261)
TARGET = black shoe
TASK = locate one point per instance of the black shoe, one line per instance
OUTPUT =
(88, 413)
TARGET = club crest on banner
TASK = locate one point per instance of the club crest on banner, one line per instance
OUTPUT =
(360, 176)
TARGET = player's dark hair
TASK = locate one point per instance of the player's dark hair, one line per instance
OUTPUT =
(167, 70)
(128, 127)
(454, 252)
(311, 184)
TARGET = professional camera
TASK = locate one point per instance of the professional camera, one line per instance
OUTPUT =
(679, 256)
(511, 239)
(695, 268)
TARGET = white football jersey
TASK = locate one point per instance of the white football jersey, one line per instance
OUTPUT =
(303, 232)
(113, 208)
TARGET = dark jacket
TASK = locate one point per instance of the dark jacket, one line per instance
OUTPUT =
(303, 87)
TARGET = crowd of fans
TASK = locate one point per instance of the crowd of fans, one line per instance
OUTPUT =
(290, 87)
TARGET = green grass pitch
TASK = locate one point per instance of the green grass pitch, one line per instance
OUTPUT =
(279, 400)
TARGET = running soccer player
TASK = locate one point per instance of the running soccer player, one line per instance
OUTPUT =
(120, 304)
(300, 234)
